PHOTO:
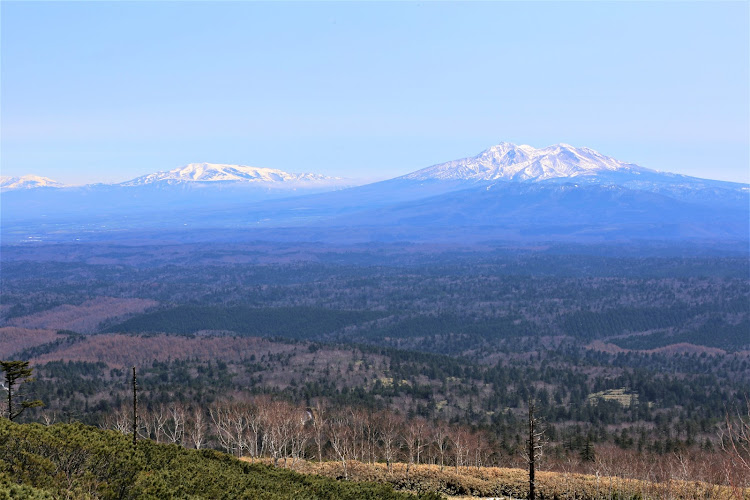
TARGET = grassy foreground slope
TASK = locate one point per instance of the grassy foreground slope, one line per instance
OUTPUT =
(77, 461)
(497, 482)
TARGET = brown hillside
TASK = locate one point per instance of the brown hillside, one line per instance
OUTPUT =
(86, 317)
(14, 339)
(119, 350)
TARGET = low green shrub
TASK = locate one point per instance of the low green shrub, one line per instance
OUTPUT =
(80, 462)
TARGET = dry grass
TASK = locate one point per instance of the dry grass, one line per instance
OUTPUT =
(495, 482)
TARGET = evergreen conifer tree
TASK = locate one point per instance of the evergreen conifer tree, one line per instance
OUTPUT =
(16, 373)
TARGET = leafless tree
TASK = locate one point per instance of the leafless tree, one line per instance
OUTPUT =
(278, 422)
(390, 425)
(414, 438)
(371, 436)
(221, 418)
(481, 449)
(238, 425)
(459, 438)
(159, 418)
(734, 436)
(440, 433)
(49, 417)
(301, 433)
(174, 428)
(196, 427)
(120, 420)
(340, 435)
(253, 430)
(145, 424)
(361, 422)
(318, 415)
(534, 447)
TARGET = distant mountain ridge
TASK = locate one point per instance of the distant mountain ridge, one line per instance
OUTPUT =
(225, 173)
(199, 174)
(503, 162)
(28, 182)
(508, 192)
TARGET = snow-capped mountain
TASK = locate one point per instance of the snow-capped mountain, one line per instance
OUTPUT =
(27, 182)
(507, 161)
(506, 192)
(197, 187)
(223, 173)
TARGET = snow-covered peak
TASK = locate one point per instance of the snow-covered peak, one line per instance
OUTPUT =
(506, 161)
(217, 172)
(27, 182)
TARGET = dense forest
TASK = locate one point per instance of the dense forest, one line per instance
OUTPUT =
(629, 358)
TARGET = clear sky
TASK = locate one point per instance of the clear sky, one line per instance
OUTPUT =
(104, 92)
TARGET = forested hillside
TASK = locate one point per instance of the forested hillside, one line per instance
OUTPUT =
(630, 359)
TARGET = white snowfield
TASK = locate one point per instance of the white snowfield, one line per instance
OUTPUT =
(218, 172)
(507, 161)
(27, 182)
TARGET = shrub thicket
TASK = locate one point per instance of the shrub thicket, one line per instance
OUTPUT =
(77, 461)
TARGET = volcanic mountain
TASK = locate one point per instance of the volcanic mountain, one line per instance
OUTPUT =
(507, 192)
(507, 161)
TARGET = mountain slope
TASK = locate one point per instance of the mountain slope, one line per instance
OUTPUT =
(559, 210)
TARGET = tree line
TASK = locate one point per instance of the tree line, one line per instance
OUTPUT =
(264, 427)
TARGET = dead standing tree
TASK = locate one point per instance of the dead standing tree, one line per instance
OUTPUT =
(135, 410)
(534, 447)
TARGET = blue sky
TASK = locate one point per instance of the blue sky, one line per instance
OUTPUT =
(103, 92)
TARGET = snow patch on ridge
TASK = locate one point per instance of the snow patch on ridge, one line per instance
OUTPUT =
(218, 172)
(507, 161)
(27, 182)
